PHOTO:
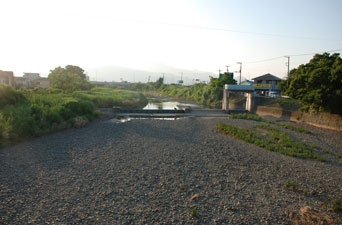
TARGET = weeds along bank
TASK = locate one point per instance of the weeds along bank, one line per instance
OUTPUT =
(32, 113)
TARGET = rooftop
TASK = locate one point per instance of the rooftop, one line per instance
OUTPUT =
(267, 77)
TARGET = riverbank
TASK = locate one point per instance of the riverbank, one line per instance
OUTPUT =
(27, 113)
(160, 171)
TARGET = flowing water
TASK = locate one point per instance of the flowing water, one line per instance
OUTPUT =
(169, 104)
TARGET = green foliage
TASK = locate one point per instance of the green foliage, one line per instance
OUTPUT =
(108, 97)
(336, 206)
(286, 101)
(248, 116)
(36, 112)
(272, 139)
(210, 94)
(69, 79)
(291, 185)
(289, 127)
(194, 213)
(317, 84)
(327, 151)
(9, 96)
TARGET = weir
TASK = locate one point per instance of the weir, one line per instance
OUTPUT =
(237, 88)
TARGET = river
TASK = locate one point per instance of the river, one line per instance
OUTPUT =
(157, 103)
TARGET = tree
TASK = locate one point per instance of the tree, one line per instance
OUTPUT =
(317, 84)
(216, 86)
(158, 83)
(69, 79)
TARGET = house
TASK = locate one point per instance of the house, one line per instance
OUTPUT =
(21, 82)
(41, 83)
(7, 77)
(266, 83)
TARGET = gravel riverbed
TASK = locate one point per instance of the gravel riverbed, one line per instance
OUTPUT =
(162, 172)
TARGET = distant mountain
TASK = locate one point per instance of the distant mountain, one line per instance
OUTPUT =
(152, 73)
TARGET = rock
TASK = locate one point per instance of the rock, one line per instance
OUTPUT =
(193, 197)
(79, 122)
(310, 216)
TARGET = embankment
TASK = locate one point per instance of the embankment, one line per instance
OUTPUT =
(324, 120)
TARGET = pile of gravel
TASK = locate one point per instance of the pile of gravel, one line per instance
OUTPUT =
(160, 171)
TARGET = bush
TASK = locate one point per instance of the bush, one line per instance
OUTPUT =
(317, 84)
(9, 96)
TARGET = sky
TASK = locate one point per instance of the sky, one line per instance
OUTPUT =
(115, 40)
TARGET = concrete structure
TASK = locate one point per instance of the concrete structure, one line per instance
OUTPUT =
(237, 88)
(41, 83)
(7, 77)
(31, 76)
(266, 83)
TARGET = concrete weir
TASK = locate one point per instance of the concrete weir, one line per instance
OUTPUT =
(237, 88)
(167, 113)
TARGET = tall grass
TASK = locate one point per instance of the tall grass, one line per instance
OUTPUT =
(32, 113)
(107, 98)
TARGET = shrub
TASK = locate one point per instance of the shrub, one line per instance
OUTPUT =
(9, 96)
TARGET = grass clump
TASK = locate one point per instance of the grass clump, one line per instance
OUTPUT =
(272, 139)
(327, 151)
(291, 185)
(336, 206)
(249, 116)
(194, 213)
(298, 129)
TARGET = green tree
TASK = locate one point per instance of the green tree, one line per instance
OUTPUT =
(158, 83)
(317, 84)
(69, 79)
(216, 86)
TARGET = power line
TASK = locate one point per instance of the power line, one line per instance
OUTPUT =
(264, 60)
(280, 57)
(207, 28)
(336, 50)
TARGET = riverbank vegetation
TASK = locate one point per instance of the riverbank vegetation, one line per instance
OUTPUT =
(272, 139)
(317, 85)
(207, 94)
(71, 102)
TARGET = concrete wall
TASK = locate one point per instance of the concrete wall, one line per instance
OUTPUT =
(324, 120)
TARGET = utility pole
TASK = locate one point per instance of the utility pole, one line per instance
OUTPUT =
(219, 70)
(288, 69)
(240, 71)
(163, 78)
(227, 68)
